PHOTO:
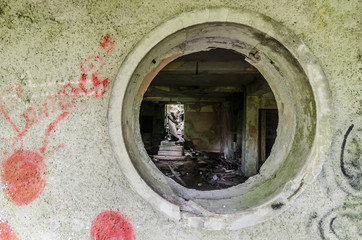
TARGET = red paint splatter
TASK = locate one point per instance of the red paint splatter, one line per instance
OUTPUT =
(17, 141)
(64, 94)
(14, 97)
(111, 225)
(23, 177)
(3, 106)
(24, 172)
(90, 64)
(99, 86)
(50, 128)
(108, 41)
(11, 122)
(6, 232)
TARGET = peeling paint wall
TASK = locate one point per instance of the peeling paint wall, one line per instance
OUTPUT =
(58, 61)
(209, 127)
(202, 126)
(251, 144)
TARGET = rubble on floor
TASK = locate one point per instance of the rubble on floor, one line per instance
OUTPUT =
(199, 170)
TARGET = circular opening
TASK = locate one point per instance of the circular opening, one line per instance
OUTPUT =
(208, 120)
(288, 96)
(302, 100)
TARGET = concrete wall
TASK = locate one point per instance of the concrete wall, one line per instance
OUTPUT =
(251, 143)
(202, 126)
(58, 60)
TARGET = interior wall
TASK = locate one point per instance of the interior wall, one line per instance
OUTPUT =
(202, 126)
(251, 145)
(58, 62)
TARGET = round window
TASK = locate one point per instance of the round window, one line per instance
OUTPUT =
(301, 95)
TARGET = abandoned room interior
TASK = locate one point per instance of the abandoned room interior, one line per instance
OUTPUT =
(205, 115)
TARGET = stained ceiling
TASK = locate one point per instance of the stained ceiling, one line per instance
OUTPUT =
(209, 74)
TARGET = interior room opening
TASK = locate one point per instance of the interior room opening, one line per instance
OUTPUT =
(209, 120)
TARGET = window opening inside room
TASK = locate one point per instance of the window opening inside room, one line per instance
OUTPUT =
(268, 122)
(208, 120)
(174, 122)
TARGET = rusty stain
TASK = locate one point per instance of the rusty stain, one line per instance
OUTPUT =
(252, 131)
(151, 75)
(202, 121)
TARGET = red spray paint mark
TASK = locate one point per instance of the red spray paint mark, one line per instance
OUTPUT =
(64, 94)
(24, 173)
(50, 128)
(107, 41)
(89, 66)
(6, 232)
(14, 92)
(111, 225)
(23, 177)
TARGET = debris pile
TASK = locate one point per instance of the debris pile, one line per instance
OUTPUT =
(202, 170)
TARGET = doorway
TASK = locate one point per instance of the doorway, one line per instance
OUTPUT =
(268, 123)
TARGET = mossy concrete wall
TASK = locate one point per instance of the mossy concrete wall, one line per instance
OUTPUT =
(251, 145)
(58, 60)
(202, 126)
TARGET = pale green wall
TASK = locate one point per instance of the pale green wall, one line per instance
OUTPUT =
(50, 39)
(251, 145)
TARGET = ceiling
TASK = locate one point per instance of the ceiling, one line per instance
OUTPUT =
(208, 74)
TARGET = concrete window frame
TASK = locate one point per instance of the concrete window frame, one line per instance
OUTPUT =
(304, 131)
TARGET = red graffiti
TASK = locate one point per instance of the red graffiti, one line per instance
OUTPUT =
(24, 172)
(65, 96)
(88, 66)
(50, 128)
(32, 115)
(14, 97)
(107, 42)
(6, 232)
(111, 225)
(23, 177)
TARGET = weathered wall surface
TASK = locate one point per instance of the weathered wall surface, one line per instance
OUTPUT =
(250, 151)
(202, 125)
(57, 63)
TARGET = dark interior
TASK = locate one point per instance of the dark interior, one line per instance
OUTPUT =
(193, 118)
